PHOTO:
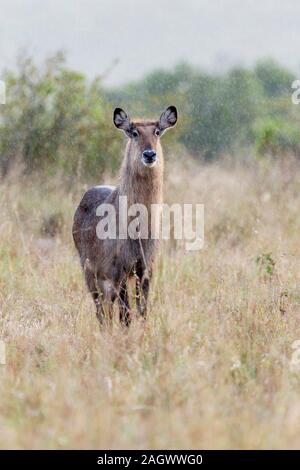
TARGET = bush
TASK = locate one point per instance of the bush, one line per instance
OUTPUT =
(221, 111)
(274, 79)
(274, 137)
(55, 120)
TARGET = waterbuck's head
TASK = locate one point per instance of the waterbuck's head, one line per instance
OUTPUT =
(144, 144)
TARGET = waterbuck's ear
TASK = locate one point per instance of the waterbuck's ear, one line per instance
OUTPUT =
(168, 118)
(121, 119)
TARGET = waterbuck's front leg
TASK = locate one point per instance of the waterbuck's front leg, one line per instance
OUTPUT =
(143, 277)
(124, 307)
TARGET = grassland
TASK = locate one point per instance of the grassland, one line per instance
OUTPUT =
(212, 366)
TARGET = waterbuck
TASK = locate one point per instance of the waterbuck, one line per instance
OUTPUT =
(108, 263)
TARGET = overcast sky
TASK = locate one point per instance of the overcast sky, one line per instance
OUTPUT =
(143, 34)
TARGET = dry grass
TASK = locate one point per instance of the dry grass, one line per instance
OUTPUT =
(211, 368)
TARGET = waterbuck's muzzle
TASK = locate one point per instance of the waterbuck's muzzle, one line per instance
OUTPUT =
(149, 158)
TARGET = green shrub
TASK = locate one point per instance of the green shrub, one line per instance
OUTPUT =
(55, 120)
(275, 137)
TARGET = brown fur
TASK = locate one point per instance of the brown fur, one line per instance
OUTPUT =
(108, 264)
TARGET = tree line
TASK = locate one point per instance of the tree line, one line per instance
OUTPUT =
(55, 119)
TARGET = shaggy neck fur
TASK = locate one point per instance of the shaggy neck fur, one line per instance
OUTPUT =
(140, 184)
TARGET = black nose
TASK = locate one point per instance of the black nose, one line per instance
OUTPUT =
(149, 156)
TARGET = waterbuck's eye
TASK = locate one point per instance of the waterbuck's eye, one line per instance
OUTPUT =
(135, 133)
(157, 132)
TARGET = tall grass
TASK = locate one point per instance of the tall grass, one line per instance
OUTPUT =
(211, 366)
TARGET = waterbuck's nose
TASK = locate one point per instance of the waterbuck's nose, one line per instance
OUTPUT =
(149, 156)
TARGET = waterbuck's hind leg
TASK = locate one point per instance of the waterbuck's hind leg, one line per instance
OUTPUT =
(106, 299)
(105, 313)
(124, 307)
(142, 286)
(103, 297)
(90, 280)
